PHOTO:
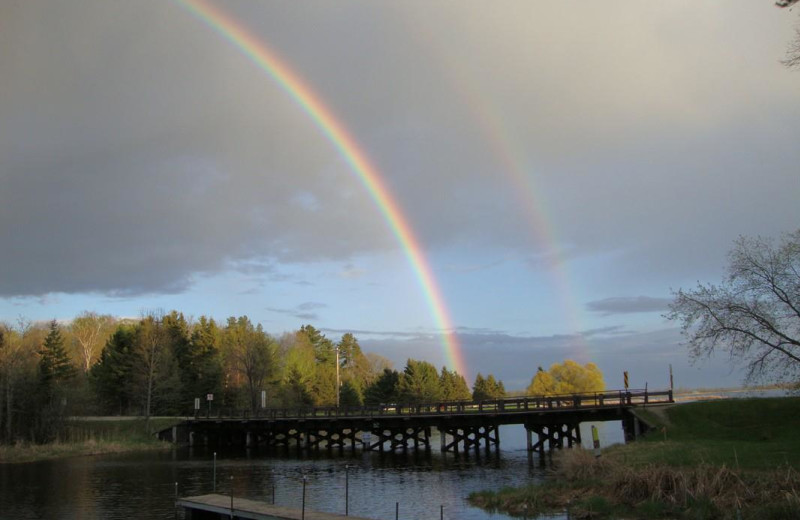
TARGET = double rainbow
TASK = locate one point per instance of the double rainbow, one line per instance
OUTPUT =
(269, 62)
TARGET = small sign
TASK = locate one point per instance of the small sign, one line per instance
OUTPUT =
(196, 403)
(210, 397)
(263, 399)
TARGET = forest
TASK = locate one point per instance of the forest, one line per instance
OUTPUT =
(162, 363)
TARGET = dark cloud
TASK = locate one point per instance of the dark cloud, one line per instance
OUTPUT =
(140, 151)
(628, 305)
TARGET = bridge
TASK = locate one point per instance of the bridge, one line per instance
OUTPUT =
(461, 425)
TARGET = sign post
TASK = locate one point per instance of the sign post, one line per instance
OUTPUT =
(209, 398)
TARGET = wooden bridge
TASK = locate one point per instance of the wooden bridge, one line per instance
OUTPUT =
(462, 425)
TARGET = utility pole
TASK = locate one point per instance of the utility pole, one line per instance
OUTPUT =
(336, 348)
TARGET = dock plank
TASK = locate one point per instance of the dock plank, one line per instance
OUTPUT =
(253, 509)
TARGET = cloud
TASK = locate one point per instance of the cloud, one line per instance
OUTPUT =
(628, 305)
(646, 355)
(351, 272)
(135, 165)
(302, 311)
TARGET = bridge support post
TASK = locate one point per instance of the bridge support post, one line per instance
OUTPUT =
(553, 436)
(469, 436)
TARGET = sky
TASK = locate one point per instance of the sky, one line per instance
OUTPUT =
(560, 169)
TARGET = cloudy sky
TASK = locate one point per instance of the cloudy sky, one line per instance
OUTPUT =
(563, 166)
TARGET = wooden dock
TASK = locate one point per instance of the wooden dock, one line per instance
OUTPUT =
(217, 507)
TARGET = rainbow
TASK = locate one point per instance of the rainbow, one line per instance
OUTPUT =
(269, 62)
(514, 165)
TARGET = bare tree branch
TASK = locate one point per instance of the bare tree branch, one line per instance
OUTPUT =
(754, 314)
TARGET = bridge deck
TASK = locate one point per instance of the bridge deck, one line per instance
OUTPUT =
(219, 506)
(496, 407)
(461, 424)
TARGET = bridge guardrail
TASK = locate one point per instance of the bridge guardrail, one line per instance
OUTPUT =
(606, 399)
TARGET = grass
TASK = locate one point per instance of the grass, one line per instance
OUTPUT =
(91, 437)
(719, 459)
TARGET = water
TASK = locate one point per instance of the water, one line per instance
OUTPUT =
(142, 485)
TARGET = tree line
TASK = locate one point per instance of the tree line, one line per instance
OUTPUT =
(160, 363)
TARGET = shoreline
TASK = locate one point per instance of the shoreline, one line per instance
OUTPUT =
(714, 459)
(87, 436)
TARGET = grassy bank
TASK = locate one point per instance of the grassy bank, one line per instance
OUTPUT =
(91, 436)
(711, 460)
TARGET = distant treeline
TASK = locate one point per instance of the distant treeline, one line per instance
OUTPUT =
(159, 365)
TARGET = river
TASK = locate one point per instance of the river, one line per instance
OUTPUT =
(142, 485)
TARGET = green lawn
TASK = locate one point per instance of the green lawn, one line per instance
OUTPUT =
(740, 433)
(726, 459)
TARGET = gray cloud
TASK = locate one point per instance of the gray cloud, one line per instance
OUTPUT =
(645, 355)
(302, 311)
(628, 304)
(139, 150)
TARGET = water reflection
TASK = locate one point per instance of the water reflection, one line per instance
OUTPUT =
(142, 485)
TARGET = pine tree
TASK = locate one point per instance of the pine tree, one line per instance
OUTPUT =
(55, 368)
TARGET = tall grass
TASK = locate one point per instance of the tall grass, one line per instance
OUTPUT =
(720, 460)
(91, 437)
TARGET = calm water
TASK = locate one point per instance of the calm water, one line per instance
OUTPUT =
(142, 485)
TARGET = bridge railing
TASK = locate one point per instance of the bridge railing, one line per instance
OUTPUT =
(606, 399)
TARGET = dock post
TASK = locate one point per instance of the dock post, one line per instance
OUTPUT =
(346, 490)
(303, 510)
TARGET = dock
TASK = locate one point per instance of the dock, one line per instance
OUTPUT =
(218, 507)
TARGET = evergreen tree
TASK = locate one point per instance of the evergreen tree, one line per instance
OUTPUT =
(453, 385)
(201, 363)
(419, 383)
(384, 390)
(350, 395)
(112, 375)
(55, 368)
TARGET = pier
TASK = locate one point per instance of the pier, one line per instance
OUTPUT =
(219, 507)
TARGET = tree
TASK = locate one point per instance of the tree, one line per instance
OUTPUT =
(112, 375)
(542, 383)
(90, 332)
(17, 367)
(792, 59)
(419, 383)
(200, 363)
(488, 388)
(252, 353)
(453, 386)
(754, 314)
(567, 378)
(150, 344)
(350, 394)
(55, 368)
(384, 389)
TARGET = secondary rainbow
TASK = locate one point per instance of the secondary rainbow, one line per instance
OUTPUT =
(269, 62)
